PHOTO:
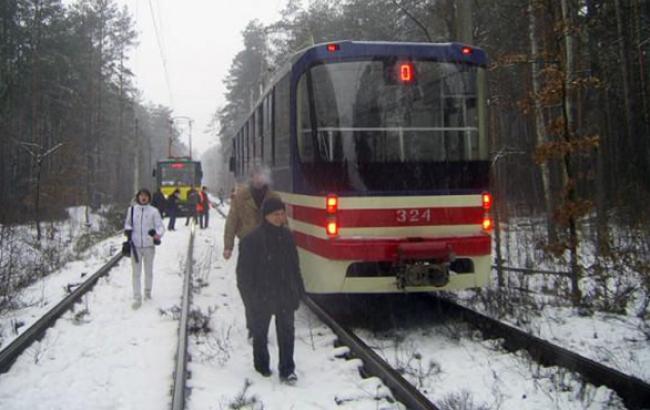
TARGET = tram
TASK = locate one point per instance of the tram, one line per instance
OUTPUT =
(380, 151)
(180, 173)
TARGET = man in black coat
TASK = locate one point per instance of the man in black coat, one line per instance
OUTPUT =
(159, 201)
(268, 277)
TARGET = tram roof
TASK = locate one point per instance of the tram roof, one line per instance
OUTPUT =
(346, 49)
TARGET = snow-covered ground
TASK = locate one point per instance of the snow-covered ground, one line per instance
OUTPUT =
(107, 356)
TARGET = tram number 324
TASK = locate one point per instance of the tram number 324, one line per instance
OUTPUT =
(413, 215)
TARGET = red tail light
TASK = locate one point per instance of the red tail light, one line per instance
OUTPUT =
(331, 204)
(486, 198)
(331, 207)
(332, 47)
(332, 228)
(467, 51)
(488, 225)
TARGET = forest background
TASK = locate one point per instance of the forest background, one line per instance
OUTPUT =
(569, 115)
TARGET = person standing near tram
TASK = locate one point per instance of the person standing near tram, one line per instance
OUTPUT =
(203, 208)
(245, 215)
(268, 277)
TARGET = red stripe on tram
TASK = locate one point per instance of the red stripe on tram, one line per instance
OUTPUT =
(394, 217)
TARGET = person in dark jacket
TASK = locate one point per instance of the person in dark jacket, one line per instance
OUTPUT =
(172, 208)
(245, 215)
(269, 280)
(158, 201)
(192, 202)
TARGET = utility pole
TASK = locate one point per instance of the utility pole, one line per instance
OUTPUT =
(136, 157)
(191, 139)
(38, 153)
(189, 121)
(171, 137)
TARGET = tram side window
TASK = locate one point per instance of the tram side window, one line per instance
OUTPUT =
(241, 152)
(253, 136)
(282, 122)
(304, 128)
(234, 155)
(266, 106)
(246, 145)
(319, 132)
(259, 126)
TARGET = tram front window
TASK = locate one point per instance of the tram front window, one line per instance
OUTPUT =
(363, 129)
(171, 176)
(361, 115)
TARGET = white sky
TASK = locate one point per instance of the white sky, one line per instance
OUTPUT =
(199, 38)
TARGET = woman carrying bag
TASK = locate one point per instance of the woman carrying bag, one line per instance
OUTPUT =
(144, 228)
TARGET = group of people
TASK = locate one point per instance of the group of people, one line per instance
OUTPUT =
(198, 205)
(268, 271)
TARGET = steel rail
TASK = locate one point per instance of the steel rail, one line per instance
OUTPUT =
(532, 271)
(36, 331)
(179, 389)
(224, 216)
(374, 365)
(634, 391)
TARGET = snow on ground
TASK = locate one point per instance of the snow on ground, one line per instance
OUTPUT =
(222, 360)
(447, 363)
(104, 355)
(107, 356)
(614, 340)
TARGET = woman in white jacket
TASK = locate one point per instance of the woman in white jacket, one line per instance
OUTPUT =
(144, 228)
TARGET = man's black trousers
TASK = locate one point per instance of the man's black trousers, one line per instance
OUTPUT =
(284, 329)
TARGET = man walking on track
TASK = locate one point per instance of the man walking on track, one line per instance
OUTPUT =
(244, 214)
(268, 277)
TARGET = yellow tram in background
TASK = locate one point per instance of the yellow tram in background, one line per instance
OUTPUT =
(180, 173)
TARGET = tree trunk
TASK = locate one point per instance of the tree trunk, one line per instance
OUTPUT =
(540, 128)
(624, 64)
(645, 116)
(37, 216)
(569, 129)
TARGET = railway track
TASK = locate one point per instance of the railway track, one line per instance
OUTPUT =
(634, 392)
(374, 365)
(179, 391)
(35, 332)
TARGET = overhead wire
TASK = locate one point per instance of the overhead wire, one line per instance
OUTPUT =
(160, 42)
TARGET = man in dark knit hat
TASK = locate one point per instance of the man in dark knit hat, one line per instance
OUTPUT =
(245, 215)
(268, 278)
